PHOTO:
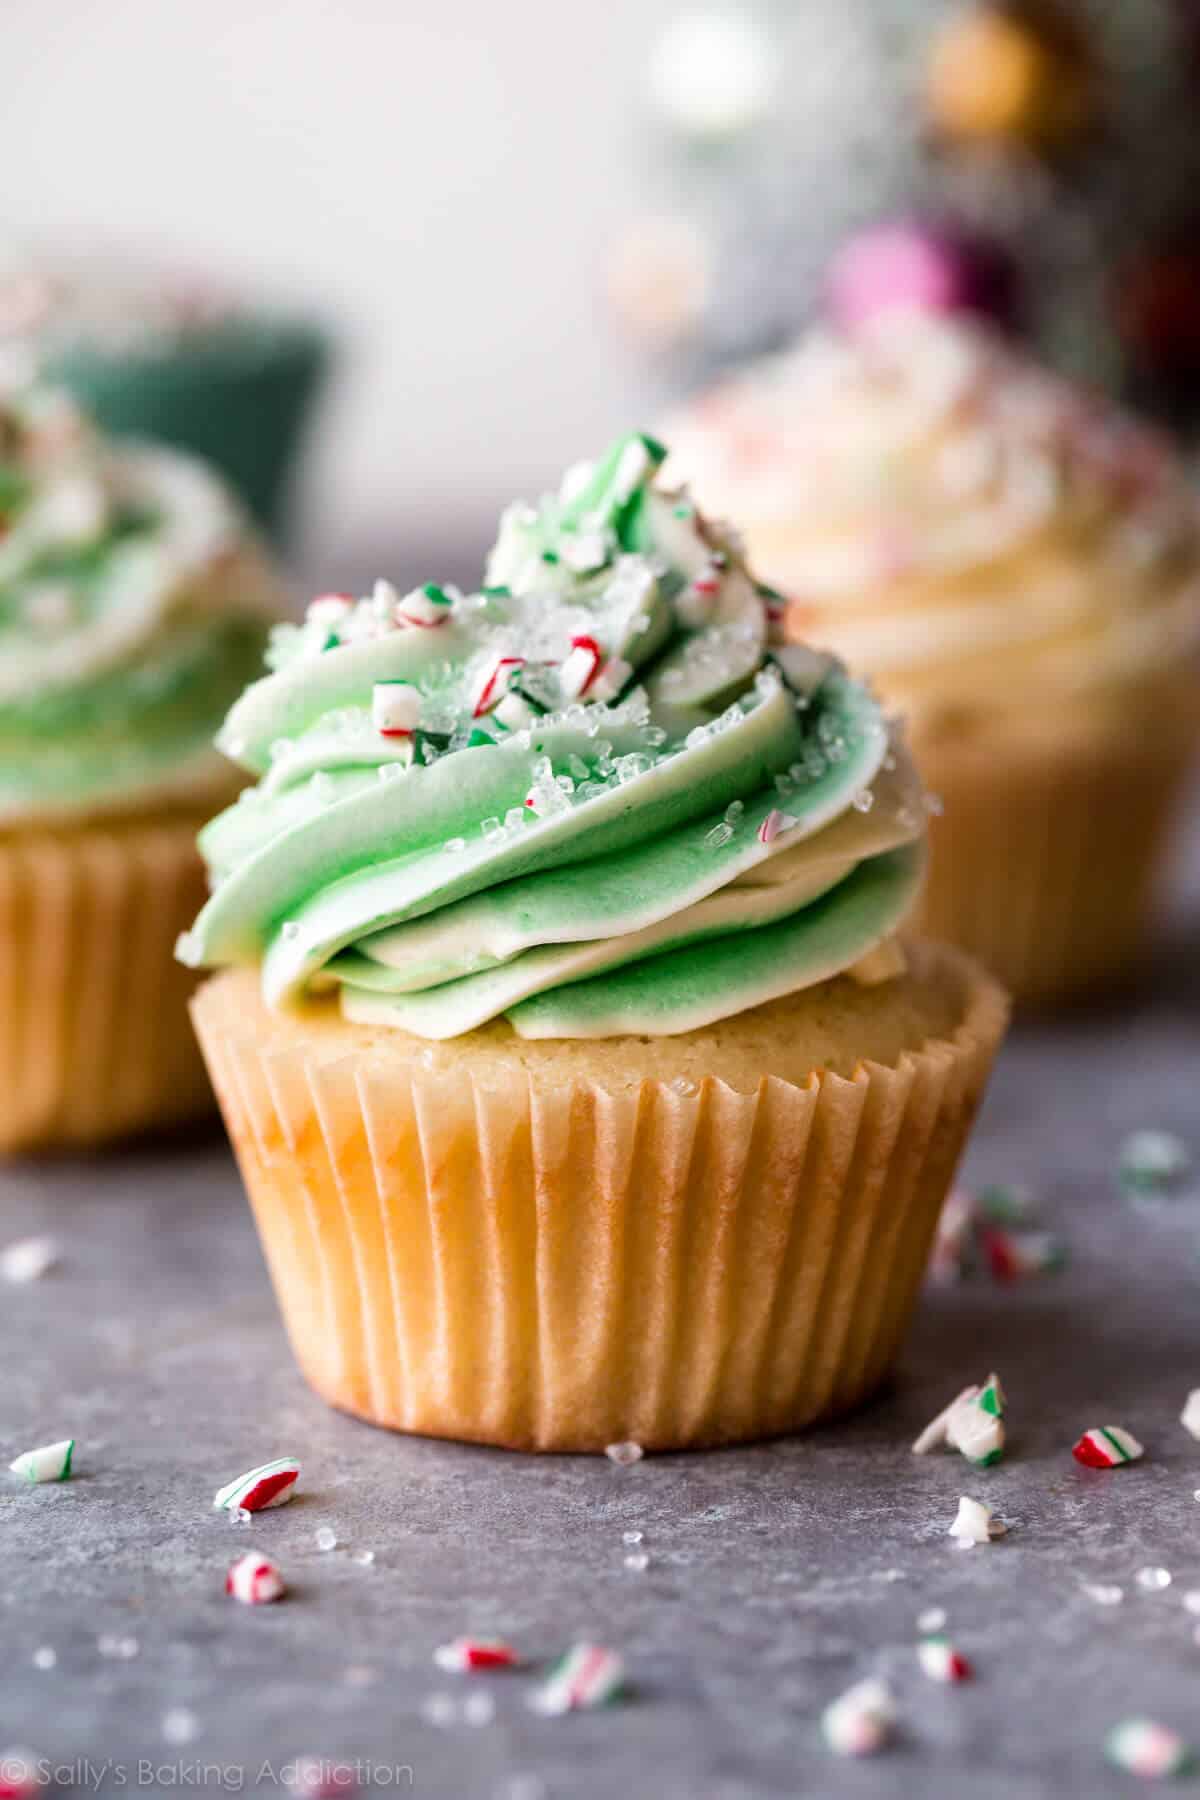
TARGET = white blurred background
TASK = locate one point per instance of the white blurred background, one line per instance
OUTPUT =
(441, 181)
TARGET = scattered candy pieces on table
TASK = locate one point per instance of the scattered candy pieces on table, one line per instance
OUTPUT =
(1143, 1747)
(29, 1259)
(271, 1484)
(21, 1774)
(51, 1463)
(1152, 1580)
(255, 1581)
(1003, 1203)
(1153, 1162)
(941, 1661)
(973, 1424)
(1107, 1447)
(932, 1619)
(1189, 1418)
(463, 1654)
(974, 1524)
(1103, 1593)
(981, 1228)
(861, 1721)
(951, 1256)
(585, 1677)
(624, 1455)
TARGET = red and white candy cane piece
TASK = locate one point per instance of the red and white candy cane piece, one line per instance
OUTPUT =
(271, 1484)
(1144, 1747)
(611, 679)
(426, 607)
(329, 609)
(585, 1677)
(860, 1721)
(580, 667)
(941, 1661)
(773, 824)
(254, 1580)
(493, 684)
(395, 708)
(1106, 1447)
(463, 1654)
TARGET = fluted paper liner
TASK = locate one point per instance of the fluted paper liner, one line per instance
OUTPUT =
(562, 1266)
(1045, 863)
(95, 1039)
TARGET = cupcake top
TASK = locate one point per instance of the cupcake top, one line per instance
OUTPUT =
(978, 535)
(134, 605)
(595, 797)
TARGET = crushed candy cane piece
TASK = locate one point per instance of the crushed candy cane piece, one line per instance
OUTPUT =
(611, 679)
(427, 606)
(255, 1581)
(21, 1774)
(624, 1455)
(463, 1654)
(1003, 1203)
(974, 1524)
(773, 824)
(271, 1484)
(580, 667)
(587, 1676)
(1107, 1447)
(973, 1424)
(329, 609)
(395, 708)
(861, 1721)
(52, 1462)
(941, 1661)
(29, 1259)
(951, 1256)
(1012, 1255)
(1153, 1162)
(1144, 1747)
(493, 684)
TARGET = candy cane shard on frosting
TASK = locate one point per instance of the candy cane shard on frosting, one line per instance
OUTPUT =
(1107, 1447)
(254, 1580)
(494, 683)
(52, 1462)
(464, 1654)
(272, 1484)
(426, 607)
(586, 1677)
(1144, 1747)
(941, 1661)
(861, 1721)
(395, 708)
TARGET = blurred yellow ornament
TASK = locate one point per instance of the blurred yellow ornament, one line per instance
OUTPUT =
(1003, 73)
(658, 280)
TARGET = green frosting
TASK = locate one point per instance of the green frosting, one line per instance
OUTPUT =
(132, 611)
(592, 797)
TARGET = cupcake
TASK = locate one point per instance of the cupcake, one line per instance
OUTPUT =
(582, 1087)
(133, 606)
(1017, 568)
(154, 356)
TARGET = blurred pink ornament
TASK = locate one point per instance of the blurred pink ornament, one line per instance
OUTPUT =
(908, 266)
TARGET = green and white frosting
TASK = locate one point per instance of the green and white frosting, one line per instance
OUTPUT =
(133, 608)
(594, 797)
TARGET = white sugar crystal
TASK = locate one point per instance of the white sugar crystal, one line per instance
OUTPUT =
(179, 1725)
(718, 836)
(45, 1657)
(632, 1537)
(932, 1619)
(1102, 1593)
(1153, 1580)
(326, 1538)
(637, 1560)
(974, 1524)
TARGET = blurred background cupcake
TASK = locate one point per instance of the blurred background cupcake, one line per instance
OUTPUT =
(134, 603)
(157, 356)
(1017, 567)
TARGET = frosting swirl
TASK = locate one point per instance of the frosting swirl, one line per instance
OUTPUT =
(593, 797)
(133, 607)
(988, 542)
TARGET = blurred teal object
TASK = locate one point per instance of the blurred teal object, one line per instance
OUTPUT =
(238, 392)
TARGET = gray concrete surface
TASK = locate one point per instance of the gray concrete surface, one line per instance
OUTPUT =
(777, 1575)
